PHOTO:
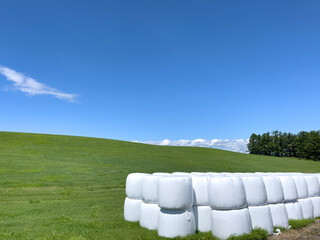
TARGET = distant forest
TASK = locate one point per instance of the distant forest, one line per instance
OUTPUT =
(301, 145)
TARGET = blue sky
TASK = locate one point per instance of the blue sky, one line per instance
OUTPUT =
(154, 70)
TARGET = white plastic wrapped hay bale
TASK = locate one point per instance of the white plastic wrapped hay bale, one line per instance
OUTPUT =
(199, 173)
(175, 192)
(150, 210)
(213, 174)
(313, 185)
(200, 190)
(313, 192)
(294, 210)
(290, 197)
(261, 218)
(318, 176)
(273, 189)
(245, 174)
(202, 218)
(307, 208)
(301, 185)
(149, 215)
(225, 223)
(289, 188)
(302, 190)
(229, 174)
(228, 201)
(176, 223)
(316, 206)
(175, 198)
(275, 198)
(162, 174)
(210, 175)
(133, 201)
(134, 185)
(201, 206)
(149, 188)
(257, 199)
(226, 193)
(132, 209)
(279, 215)
(255, 190)
(181, 173)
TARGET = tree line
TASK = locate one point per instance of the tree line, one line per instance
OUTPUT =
(301, 145)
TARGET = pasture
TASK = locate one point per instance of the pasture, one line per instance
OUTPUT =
(64, 187)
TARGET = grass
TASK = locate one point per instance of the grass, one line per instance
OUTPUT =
(63, 187)
(296, 224)
(256, 234)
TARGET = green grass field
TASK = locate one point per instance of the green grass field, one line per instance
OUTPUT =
(63, 187)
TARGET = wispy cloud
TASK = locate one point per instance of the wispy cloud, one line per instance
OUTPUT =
(32, 87)
(239, 145)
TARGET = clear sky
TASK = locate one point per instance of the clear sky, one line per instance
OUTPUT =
(154, 70)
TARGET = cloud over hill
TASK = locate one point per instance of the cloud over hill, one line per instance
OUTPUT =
(239, 145)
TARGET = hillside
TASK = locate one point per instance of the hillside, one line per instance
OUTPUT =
(64, 187)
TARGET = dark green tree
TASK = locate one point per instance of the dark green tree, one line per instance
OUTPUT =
(253, 144)
(302, 145)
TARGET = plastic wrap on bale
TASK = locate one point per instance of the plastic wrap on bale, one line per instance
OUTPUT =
(149, 189)
(149, 216)
(289, 188)
(179, 204)
(279, 215)
(134, 185)
(202, 218)
(225, 223)
(226, 193)
(200, 190)
(132, 209)
(181, 173)
(176, 223)
(261, 218)
(274, 189)
(301, 185)
(313, 185)
(162, 174)
(175, 192)
(294, 210)
(316, 206)
(307, 208)
(255, 190)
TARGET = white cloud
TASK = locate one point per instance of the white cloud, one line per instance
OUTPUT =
(239, 145)
(32, 87)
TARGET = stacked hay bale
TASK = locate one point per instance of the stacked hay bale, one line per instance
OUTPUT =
(305, 202)
(175, 198)
(150, 210)
(290, 197)
(201, 206)
(275, 199)
(181, 174)
(313, 192)
(133, 201)
(178, 204)
(256, 196)
(229, 212)
(316, 201)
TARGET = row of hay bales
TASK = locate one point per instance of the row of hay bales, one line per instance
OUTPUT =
(179, 204)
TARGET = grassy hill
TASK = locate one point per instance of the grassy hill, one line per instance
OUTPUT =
(64, 187)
